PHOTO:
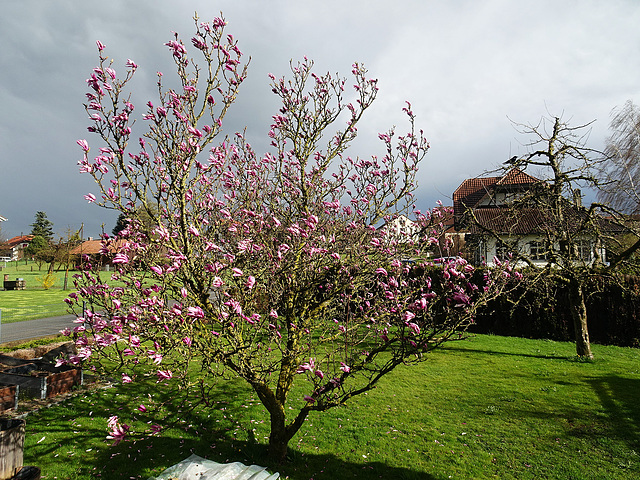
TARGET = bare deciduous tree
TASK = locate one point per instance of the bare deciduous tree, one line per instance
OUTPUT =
(621, 166)
(569, 237)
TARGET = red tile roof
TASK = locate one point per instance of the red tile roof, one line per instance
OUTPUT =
(500, 220)
(471, 192)
(506, 221)
(12, 242)
(533, 221)
(516, 176)
(93, 247)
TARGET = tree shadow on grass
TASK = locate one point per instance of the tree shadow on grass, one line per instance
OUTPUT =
(619, 399)
(553, 356)
(225, 449)
(68, 441)
(139, 459)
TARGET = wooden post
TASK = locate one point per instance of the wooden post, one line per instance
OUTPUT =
(11, 447)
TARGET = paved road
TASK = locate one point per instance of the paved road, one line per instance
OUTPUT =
(17, 331)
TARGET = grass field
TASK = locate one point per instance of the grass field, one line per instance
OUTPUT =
(34, 301)
(487, 407)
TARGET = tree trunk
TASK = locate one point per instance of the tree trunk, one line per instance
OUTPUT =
(278, 442)
(579, 315)
(281, 433)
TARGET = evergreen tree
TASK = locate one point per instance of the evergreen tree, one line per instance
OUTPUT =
(42, 226)
(121, 224)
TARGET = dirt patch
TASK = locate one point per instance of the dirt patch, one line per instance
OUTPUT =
(35, 352)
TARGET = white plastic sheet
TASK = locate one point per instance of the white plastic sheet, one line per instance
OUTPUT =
(198, 468)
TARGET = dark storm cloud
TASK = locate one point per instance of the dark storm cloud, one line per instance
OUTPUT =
(466, 66)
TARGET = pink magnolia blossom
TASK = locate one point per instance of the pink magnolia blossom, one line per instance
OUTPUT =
(251, 281)
(217, 282)
(156, 357)
(84, 145)
(235, 305)
(121, 258)
(237, 272)
(117, 431)
(344, 367)
(126, 378)
(162, 232)
(90, 197)
(308, 366)
(164, 374)
(196, 312)
(156, 269)
(408, 315)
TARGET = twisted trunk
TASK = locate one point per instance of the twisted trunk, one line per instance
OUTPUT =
(281, 432)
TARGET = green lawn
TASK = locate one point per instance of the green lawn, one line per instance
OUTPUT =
(34, 301)
(487, 407)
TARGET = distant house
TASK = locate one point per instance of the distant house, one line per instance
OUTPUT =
(401, 229)
(449, 242)
(495, 230)
(14, 247)
(93, 251)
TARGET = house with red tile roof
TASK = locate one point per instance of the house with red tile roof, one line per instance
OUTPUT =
(494, 229)
(97, 252)
(14, 247)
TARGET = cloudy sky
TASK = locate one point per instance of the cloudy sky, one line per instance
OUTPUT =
(469, 68)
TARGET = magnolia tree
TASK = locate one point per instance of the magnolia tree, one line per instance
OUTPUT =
(271, 269)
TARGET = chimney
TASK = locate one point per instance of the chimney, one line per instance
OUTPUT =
(577, 197)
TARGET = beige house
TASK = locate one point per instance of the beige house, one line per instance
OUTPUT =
(13, 249)
(495, 231)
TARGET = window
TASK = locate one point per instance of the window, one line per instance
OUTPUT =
(583, 250)
(537, 250)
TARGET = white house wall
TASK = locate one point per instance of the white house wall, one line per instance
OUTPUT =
(523, 245)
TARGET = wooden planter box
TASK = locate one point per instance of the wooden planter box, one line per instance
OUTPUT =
(41, 380)
(17, 284)
(8, 397)
(11, 447)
